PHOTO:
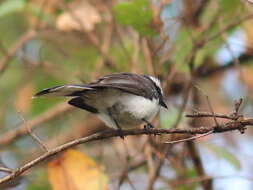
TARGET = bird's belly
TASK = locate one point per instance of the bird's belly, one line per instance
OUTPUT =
(140, 107)
(131, 110)
(127, 109)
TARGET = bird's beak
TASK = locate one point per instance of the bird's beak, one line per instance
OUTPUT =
(163, 104)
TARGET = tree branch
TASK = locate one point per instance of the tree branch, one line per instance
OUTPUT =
(229, 126)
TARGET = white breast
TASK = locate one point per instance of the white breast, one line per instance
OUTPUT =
(128, 109)
(140, 107)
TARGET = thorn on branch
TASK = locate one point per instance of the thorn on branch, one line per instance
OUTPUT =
(237, 105)
(242, 130)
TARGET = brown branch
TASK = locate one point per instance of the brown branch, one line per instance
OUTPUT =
(190, 138)
(6, 170)
(207, 114)
(229, 126)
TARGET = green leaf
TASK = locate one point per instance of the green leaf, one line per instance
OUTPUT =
(10, 6)
(136, 14)
(230, 6)
(223, 153)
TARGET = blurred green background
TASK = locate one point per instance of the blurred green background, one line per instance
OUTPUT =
(195, 47)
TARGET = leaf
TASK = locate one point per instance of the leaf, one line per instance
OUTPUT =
(230, 6)
(76, 171)
(11, 6)
(137, 14)
(81, 16)
(223, 153)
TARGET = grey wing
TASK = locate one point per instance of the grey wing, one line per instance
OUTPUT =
(64, 90)
(127, 82)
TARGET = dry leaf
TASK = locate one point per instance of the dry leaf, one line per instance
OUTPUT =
(75, 171)
(82, 16)
(23, 100)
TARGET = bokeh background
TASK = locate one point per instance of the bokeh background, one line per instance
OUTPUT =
(201, 50)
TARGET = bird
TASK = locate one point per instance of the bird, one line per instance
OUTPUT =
(120, 100)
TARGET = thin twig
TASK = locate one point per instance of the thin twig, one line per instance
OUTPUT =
(208, 103)
(6, 170)
(189, 139)
(237, 106)
(36, 138)
(207, 114)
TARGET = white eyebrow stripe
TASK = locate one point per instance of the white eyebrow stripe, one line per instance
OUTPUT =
(155, 80)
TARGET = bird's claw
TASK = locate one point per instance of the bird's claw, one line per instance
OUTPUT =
(148, 126)
(121, 134)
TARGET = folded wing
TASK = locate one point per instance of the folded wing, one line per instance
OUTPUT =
(65, 90)
(128, 82)
(139, 85)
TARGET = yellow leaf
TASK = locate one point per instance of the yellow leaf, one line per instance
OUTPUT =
(75, 171)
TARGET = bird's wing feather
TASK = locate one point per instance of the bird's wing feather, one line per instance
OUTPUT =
(139, 85)
(127, 82)
(65, 90)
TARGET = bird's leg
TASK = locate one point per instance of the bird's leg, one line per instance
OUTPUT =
(116, 122)
(148, 125)
(119, 128)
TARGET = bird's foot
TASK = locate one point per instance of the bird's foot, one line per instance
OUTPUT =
(121, 134)
(148, 126)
